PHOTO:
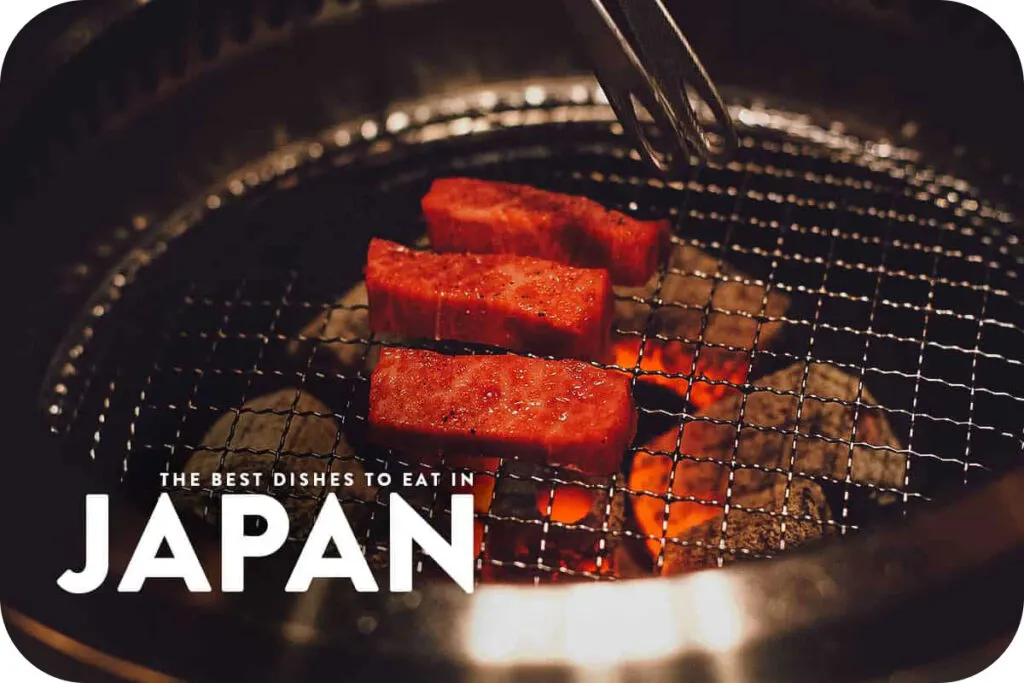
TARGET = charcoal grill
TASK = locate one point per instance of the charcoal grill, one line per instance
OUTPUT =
(202, 297)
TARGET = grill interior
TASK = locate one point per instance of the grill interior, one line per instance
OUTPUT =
(899, 276)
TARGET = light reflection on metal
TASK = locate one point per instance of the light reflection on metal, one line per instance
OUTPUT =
(488, 99)
(369, 129)
(590, 641)
(510, 625)
(342, 138)
(579, 94)
(397, 122)
(301, 627)
(82, 653)
(535, 95)
(462, 126)
(570, 627)
(720, 620)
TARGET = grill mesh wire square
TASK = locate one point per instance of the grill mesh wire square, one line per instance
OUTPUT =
(900, 277)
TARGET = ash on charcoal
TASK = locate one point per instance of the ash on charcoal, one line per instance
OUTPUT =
(517, 489)
(707, 447)
(689, 287)
(309, 442)
(825, 427)
(527, 491)
(755, 527)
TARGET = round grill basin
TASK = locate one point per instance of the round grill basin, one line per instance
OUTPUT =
(900, 277)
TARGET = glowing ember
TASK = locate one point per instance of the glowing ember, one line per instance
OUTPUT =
(576, 553)
(703, 481)
(482, 488)
(570, 505)
(514, 549)
(484, 471)
(676, 358)
(483, 484)
(578, 563)
(478, 536)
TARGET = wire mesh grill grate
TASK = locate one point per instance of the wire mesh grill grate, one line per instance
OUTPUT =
(898, 277)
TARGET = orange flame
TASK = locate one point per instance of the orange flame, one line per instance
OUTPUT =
(675, 358)
(649, 476)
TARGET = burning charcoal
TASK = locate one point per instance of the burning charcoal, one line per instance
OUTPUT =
(708, 444)
(716, 372)
(576, 512)
(702, 484)
(517, 490)
(521, 494)
(688, 289)
(825, 417)
(755, 526)
(306, 437)
(624, 551)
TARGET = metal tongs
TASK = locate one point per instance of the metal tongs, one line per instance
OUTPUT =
(642, 57)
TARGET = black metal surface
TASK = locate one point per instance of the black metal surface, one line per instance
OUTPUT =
(922, 53)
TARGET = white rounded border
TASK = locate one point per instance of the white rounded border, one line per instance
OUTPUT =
(16, 15)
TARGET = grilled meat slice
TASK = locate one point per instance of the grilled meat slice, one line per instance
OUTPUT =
(564, 413)
(479, 216)
(517, 302)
